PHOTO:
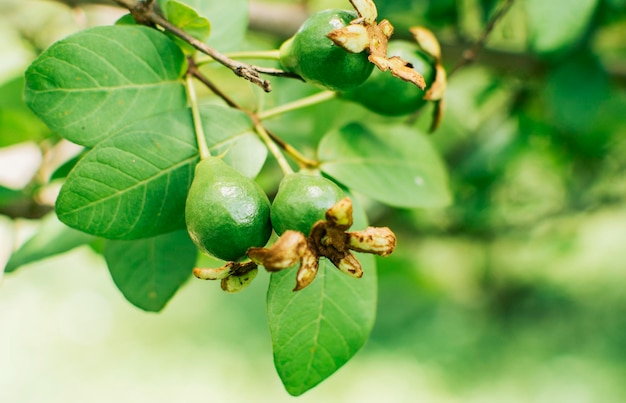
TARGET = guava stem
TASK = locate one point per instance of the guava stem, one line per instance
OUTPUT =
(300, 159)
(257, 54)
(271, 145)
(299, 104)
(203, 148)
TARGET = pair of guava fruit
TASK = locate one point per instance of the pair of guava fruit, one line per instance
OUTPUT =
(318, 60)
(226, 212)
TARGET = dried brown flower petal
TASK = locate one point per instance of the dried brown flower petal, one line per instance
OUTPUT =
(438, 87)
(386, 28)
(354, 38)
(309, 266)
(340, 215)
(399, 68)
(378, 240)
(437, 115)
(366, 10)
(214, 273)
(236, 283)
(427, 41)
(284, 253)
(350, 265)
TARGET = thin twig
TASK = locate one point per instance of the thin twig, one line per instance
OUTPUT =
(265, 134)
(300, 159)
(193, 70)
(143, 13)
(203, 148)
(273, 54)
(299, 104)
(271, 145)
(469, 55)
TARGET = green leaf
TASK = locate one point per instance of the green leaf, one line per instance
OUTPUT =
(393, 164)
(316, 330)
(17, 122)
(134, 184)
(557, 24)
(8, 195)
(188, 20)
(90, 84)
(64, 169)
(575, 92)
(229, 133)
(52, 238)
(229, 21)
(149, 271)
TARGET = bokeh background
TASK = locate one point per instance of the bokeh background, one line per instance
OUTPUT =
(515, 293)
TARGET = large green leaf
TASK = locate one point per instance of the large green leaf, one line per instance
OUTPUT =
(90, 84)
(316, 330)
(149, 271)
(557, 24)
(393, 164)
(52, 238)
(134, 184)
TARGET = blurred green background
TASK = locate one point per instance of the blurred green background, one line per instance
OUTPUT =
(515, 293)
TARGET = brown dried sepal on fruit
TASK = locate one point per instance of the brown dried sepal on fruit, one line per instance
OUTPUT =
(284, 253)
(365, 33)
(328, 238)
(429, 43)
(234, 276)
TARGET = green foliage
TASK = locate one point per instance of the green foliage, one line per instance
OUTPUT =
(52, 238)
(17, 123)
(147, 187)
(533, 197)
(149, 271)
(85, 87)
(229, 21)
(392, 164)
(559, 24)
(317, 330)
(188, 19)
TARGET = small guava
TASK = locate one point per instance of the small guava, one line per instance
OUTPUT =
(315, 58)
(226, 213)
(301, 201)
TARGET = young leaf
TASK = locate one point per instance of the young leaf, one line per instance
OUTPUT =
(17, 123)
(395, 165)
(188, 20)
(229, 21)
(90, 84)
(134, 184)
(52, 238)
(149, 271)
(557, 24)
(318, 329)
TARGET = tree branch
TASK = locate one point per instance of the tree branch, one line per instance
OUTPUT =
(469, 56)
(143, 13)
